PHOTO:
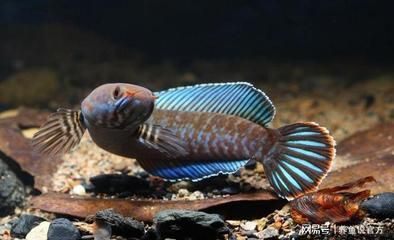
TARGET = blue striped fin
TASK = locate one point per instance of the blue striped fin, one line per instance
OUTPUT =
(237, 98)
(300, 160)
(195, 171)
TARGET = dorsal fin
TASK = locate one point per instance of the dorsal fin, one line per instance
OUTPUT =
(235, 98)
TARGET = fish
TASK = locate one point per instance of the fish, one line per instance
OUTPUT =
(195, 132)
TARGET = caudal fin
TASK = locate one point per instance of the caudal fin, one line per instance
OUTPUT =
(300, 159)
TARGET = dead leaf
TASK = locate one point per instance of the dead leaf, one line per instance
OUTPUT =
(367, 153)
(143, 210)
(14, 124)
(23, 118)
(335, 205)
(18, 148)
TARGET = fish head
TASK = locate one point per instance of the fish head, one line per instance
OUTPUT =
(118, 105)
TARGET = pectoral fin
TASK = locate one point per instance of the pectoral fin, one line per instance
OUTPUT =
(162, 139)
(62, 132)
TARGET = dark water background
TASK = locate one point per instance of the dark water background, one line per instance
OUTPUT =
(71, 46)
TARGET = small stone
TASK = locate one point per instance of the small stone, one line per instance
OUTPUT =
(183, 224)
(380, 206)
(123, 226)
(196, 195)
(103, 231)
(85, 228)
(249, 226)
(78, 190)
(22, 226)
(234, 223)
(268, 233)
(230, 190)
(183, 193)
(175, 187)
(62, 229)
(259, 168)
(261, 224)
(277, 225)
(39, 232)
(250, 165)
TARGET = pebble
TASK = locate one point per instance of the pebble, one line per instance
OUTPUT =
(22, 226)
(183, 193)
(261, 223)
(62, 229)
(196, 195)
(78, 190)
(183, 224)
(269, 232)
(234, 223)
(230, 190)
(39, 232)
(249, 226)
(250, 165)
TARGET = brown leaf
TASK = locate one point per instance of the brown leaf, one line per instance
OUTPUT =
(143, 210)
(15, 146)
(24, 118)
(334, 205)
(366, 153)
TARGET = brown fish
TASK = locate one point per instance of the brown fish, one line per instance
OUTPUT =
(195, 132)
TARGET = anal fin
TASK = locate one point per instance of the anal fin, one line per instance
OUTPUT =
(196, 171)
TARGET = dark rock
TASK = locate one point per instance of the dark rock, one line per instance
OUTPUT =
(380, 206)
(24, 224)
(183, 224)
(251, 165)
(62, 229)
(230, 190)
(150, 234)
(103, 231)
(118, 183)
(143, 175)
(12, 190)
(89, 187)
(123, 226)
(369, 100)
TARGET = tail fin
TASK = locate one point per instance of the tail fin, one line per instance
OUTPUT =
(300, 159)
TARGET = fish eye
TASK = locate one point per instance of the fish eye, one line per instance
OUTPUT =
(116, 93)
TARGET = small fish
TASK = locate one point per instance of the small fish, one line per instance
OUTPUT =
(195, 132)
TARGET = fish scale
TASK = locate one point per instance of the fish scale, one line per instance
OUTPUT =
(214, 141)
